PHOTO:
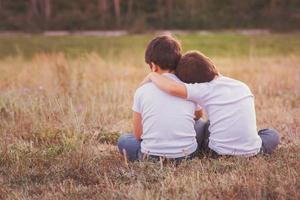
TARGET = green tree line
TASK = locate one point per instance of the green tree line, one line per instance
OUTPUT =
(139, 15)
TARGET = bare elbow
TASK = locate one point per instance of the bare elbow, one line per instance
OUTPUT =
(138, 134)
(173, 92)
(138, 138)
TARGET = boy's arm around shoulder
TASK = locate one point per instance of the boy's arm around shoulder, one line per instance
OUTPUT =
(167, 85)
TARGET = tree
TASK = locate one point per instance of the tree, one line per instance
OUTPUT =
(103, 8)
(34, 9)
(47, 9)
(117, 9)
(162, 14)
(129, 10)
(40, 8)
(169, 8)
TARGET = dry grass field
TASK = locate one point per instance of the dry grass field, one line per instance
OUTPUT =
(60, 117)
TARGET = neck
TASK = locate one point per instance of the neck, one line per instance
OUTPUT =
(166, 71)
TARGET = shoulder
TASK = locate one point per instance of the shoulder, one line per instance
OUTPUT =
(197, 92)
(197, 86)
(237, 83)
(228, 80)
(143, 88)
(240, 83)
(173, 77)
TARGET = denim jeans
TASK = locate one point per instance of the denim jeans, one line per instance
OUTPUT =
(129, 145)
(270, 138)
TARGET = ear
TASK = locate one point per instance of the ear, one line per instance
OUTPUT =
(154, 67)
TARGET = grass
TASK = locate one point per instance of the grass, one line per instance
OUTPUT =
(61, 114)
(213, 44)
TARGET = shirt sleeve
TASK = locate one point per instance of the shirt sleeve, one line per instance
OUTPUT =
(198, 93)
(136, 107)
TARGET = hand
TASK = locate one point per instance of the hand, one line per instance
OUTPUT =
(146, 80)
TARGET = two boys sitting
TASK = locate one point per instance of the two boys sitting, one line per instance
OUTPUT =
(165, 107)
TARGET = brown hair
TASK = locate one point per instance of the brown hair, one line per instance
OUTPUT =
(195, 67)
(164, 51)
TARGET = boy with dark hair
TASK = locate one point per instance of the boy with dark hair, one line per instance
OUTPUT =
(196, 68)
(163, 125)
(228, 103)
(164, 51)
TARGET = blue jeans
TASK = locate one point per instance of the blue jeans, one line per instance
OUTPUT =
(270, 138)
(132, 147)
(129, 144)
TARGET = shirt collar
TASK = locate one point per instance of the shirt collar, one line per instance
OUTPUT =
(169, 74)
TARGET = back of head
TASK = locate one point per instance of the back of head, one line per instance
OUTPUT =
(164, 51)
(195, 67)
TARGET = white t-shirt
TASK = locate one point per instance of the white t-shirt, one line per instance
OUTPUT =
(229, 105)
(168, 122)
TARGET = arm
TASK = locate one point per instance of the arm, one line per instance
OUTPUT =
(168, 85)
(137, 125)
